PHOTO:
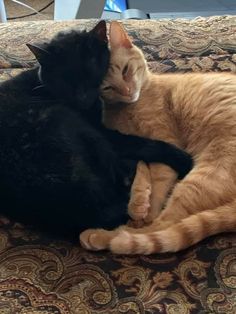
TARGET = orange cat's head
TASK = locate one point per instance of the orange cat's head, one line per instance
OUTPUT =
(128, 69)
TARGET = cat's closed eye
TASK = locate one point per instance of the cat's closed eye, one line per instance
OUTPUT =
(106, 88)
(125, 69)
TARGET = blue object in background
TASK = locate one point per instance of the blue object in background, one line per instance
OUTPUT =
(115, 5)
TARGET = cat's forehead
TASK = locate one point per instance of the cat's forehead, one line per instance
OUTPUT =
(121, 56)
(72, 42)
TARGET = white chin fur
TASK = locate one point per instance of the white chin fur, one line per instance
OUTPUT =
(135, 97)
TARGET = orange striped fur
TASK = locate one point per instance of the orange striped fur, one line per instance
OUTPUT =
(196, 112)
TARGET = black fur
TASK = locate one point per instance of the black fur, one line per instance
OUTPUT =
(60, 170)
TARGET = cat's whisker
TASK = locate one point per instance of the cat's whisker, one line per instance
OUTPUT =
(38, 87)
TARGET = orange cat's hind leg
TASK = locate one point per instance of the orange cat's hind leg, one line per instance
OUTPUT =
(97, 239)
(100, 239)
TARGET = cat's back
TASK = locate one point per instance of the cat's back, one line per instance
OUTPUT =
(188, 87)
(17, 95)
(178, 90)
(20, 85)
(190, 104)
(204, 107)
(181, 83)
(192, 95)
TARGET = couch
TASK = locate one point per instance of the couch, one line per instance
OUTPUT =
(45, 276)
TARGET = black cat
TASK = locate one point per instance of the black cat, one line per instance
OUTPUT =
(61, 170)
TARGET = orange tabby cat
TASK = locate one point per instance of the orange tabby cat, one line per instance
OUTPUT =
(196, 112)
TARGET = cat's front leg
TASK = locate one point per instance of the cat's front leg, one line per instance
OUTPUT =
(163, 179)
(149, 191)
(139, 204)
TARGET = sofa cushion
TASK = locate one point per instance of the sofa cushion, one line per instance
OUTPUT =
(169, 45)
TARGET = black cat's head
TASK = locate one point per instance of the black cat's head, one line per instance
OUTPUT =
(73, 64)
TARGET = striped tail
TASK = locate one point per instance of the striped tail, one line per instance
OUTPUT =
(177, 237)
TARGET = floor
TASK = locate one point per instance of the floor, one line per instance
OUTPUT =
(158, 8)
(16, 12)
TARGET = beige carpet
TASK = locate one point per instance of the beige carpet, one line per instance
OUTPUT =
(16, 11)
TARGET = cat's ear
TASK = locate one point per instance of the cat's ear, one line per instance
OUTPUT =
(101, 31)
(119, 37)
(39, 52)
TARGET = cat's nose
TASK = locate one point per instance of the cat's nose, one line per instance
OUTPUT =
(125, 91)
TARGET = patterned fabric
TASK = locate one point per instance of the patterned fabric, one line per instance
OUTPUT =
(170, 45)
(39, 275)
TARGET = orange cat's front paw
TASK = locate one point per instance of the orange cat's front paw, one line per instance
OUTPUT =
(94, 239)
(139, 204)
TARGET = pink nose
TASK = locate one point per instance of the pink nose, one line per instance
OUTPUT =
(125, 91)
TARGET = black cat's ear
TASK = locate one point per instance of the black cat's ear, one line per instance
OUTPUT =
(101, 30)
(39, 52)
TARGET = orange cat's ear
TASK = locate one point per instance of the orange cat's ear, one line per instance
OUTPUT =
(118, 36)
